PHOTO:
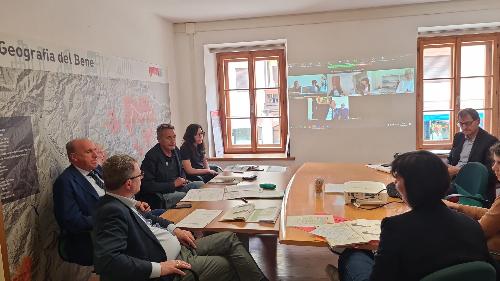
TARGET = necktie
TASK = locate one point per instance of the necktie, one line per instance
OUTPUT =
(96, 178)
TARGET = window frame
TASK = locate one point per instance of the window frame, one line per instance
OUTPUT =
(457, 41)
(223, 59)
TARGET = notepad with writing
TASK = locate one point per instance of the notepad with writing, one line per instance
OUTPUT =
(248, 213)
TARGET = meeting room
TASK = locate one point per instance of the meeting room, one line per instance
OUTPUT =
(322, 140)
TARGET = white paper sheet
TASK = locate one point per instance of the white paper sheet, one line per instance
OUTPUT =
(204, 194)
(310, 220)
(349, 232)
(279, 169)
(199, 218)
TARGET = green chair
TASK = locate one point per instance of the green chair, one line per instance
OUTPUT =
(476, 270)
(472, 181)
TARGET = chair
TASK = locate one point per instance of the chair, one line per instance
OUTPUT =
(76, 248)
(472, 180)
(476, 270)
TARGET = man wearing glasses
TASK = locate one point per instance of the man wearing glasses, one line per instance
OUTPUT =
(163, 171)
(472, 144)
(133, 246)
(76, 193)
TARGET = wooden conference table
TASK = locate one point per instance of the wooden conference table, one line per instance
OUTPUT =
(281, 179)
(301, 199)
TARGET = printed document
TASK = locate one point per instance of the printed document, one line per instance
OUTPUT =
(204, 194)
(248, 213)
(349, 232)
(199, 218)
(310, 220)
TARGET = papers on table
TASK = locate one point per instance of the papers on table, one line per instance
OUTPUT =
(349, 232)
(250, 191)
(244, 168)
(220, 179)
(380, 167)
(204, 194)
(307, 221)
(232, 192)
(279, 169)
(248, 213)
(232, 178)
(334, 188)
(199, 218)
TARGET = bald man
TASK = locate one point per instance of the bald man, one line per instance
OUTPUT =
(76, 193)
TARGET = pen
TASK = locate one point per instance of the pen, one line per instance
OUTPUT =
(244, 200)
(238, 172)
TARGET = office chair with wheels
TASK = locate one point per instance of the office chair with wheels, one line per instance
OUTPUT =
(476, 270)
(472, 180)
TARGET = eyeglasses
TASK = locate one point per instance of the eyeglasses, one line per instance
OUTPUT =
(465, 124)
(141, 175)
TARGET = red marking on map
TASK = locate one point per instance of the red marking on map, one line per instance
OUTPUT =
(139, 120)
(137, 111)
(113, 124)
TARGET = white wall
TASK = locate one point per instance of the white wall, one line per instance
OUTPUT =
(320, 38)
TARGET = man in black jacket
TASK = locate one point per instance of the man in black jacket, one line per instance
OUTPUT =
(134, 246)
(472, 144)
(163, 172)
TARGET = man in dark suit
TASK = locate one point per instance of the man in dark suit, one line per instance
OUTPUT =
(472, 144)
(132, 246)
(163, 172)
(425, 239)
(76, 193)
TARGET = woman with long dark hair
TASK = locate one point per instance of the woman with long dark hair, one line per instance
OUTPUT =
(193, 157)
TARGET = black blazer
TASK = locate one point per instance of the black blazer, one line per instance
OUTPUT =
(74, 203)
(424, 240)
(480, 149)
(480, 152)
(155, 176)
(124, 246)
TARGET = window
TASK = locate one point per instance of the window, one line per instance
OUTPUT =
(252, 101)
(455, 72)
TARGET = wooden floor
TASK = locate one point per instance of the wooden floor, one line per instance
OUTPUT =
(290, 263)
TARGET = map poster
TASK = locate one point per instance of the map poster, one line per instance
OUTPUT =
(18, 172)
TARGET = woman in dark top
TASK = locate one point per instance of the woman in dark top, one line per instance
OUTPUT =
(423, 240)
(193, 155)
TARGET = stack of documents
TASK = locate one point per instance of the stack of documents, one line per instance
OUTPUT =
(199, 218)
(248, 213)
(349, 232)
(250, 191)
(220, 179)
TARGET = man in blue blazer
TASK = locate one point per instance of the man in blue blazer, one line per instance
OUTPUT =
(76, 193)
